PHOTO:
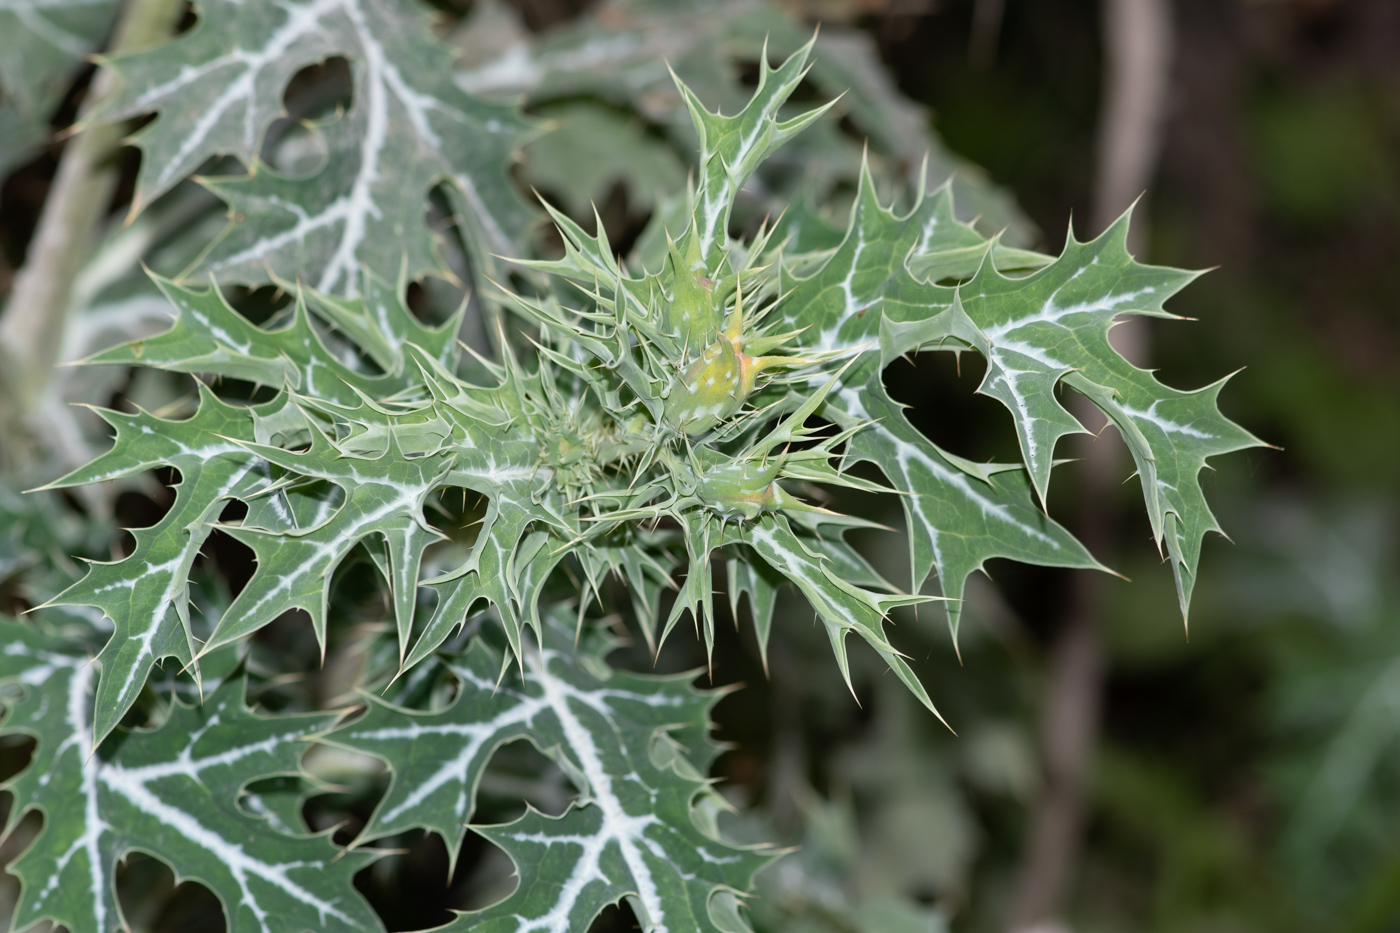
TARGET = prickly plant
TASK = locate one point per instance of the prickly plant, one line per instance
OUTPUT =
(662, 427)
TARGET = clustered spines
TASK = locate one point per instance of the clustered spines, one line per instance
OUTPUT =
(686, 346)
(659, 415)
(665, 367)
(714, 386)
(691, 305)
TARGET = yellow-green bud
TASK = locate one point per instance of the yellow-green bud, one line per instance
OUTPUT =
(711, 388)
(742, 490)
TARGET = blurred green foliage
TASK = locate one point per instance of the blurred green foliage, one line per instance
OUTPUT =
(1322, 152)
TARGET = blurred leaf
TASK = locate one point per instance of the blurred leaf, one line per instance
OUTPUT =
(41, 41)
(616, 55)
(20, 133)
(590, 149)
(810, 890)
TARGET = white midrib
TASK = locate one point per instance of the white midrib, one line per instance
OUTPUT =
(1050, 313)
(517, 69)
(618, 825)
(78, 742)
(301, 21)
(244, 348)
(1166, 424)
(716, 201)
(186, 765)
(178, 568)
(905, 452)
(713, 212)
(1025, 422)
(803, 567)
(361, 203)
(479, 734)
(131, 784)
(232, 855)
(498, 476)
(926, 235)
(92, 820)
(354, 209)
(851, 399)
(407, 501)
(853, 305)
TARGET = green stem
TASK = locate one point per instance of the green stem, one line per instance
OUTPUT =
(31, 330)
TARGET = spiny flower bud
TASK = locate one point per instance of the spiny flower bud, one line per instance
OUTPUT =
(714, 386)
(742, 490)
(711, 388)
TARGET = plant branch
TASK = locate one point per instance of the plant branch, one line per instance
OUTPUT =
(31, 330)
(1137, 75)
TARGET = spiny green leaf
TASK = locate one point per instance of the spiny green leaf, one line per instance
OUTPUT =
(490, 573)
(208, 336)
(639, 828)
(172, 793)
(1055, 322)
(839, 302)
(1035, 331)
(383, 496)
(146, 594)
(760, 583)
(843, 607)
(731, 148)
(958, 515)
(683, 396)
(219, 87)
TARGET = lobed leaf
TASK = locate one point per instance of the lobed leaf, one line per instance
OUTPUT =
(1035, 331)
(639, 827)
(146, 593)
(683, 396)
(218, 88)
(171, 793)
